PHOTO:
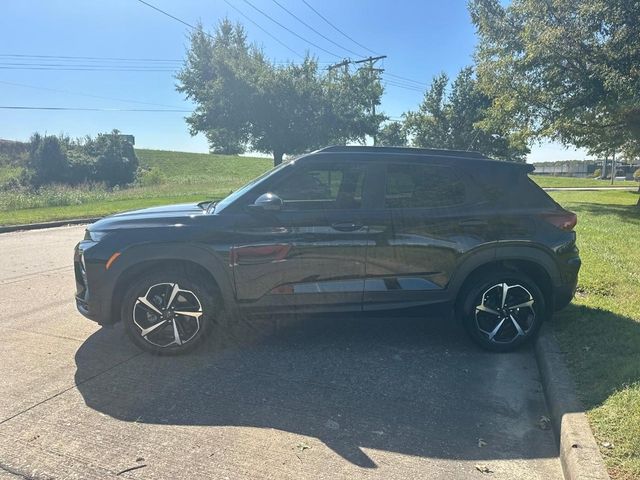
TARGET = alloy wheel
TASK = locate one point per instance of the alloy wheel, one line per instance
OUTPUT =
(505, 313)
(167, 315)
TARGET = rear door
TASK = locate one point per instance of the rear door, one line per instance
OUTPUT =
(427, 223)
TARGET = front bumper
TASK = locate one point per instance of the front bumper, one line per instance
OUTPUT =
(88, 302)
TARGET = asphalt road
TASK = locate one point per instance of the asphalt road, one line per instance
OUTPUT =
(372, 397)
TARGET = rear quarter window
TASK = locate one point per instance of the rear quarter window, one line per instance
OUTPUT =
(511, 189)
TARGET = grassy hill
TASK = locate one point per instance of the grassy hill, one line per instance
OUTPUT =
(169, 177)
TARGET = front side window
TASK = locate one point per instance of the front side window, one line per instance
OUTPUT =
(322, 187)
(423, 186)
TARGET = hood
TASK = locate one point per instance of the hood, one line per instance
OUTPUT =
(168, 215)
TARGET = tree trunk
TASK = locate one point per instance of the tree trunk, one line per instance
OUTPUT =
(277, 158)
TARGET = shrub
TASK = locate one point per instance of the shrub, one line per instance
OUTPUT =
(108, 159)
(597, 173)
(636, 175)
(116, 162)
(47, 160)
(82, 167)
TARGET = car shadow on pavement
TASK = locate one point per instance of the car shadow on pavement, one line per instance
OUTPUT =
(387, 382)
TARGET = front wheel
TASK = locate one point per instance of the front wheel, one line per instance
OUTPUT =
(502, 311)
(168, 313)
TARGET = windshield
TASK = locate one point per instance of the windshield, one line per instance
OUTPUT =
(225, 202)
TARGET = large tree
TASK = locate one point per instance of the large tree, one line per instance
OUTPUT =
(454, 118)
(244, 101)
(563, 69)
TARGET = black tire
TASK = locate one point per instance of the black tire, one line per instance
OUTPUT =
(519, 325)
(178, 322)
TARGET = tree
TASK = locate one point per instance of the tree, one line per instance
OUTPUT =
(563, 69)
(243, 101)
(455, 120)
(392, 135)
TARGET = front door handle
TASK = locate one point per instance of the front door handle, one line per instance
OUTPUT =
(346, 226)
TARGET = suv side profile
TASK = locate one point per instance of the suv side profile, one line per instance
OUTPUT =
(340, 229)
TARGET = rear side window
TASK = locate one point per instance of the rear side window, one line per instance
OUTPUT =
(423, 186)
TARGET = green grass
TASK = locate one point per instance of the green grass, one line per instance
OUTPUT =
(171, 177)
(600, 331)
(8, 172)
(548, 181)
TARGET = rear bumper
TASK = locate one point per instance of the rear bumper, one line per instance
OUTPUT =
(564, 293)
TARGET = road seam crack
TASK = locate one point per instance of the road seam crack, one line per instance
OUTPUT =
(75, 385)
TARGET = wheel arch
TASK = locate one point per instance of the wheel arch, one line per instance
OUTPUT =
(535, 263)
(189, 259)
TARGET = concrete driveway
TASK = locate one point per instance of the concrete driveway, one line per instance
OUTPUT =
(370, 397)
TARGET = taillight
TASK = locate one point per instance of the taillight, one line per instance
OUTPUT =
(563, 219)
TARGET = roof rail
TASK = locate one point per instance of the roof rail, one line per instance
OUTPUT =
(404, 150)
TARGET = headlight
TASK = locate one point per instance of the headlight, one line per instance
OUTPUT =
(93, 235)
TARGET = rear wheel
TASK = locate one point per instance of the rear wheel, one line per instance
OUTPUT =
(501, 311)
(168, 313)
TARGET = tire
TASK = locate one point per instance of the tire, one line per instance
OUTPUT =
(501, 310)
(175, 310)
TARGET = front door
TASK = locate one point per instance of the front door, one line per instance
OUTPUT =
(311, 254)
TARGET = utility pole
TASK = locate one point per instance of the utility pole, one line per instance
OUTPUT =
(371, 61)
(344, 63)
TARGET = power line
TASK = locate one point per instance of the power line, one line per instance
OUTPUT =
(263, 29)
(314, 30)
(168, 15)
(192, 27)
(404, 84)
(82, 69)
(85, 94)
(399, 85)
(71, 57)
(337, 29)
(407, 79)
(79, 65)
(88, 109)
(289, 30)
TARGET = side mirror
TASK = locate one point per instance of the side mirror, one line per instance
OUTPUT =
(268, 202)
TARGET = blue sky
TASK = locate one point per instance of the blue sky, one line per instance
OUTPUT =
(420, 39)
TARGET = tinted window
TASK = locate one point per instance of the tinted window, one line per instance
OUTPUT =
(422, 186)
(323, 186)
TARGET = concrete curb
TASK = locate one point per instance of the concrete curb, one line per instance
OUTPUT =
(579, 453)
(36, 226)
(589, 189)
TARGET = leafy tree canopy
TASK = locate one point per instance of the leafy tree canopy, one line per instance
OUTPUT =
(563, 69)
(455, 119)
(244, 101)
(392, 134)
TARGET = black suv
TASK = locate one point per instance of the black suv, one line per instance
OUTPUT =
(340, 229)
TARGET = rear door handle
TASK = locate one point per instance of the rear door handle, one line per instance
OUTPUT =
(473, 222)
(346, 226)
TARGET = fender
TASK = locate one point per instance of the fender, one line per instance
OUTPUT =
(503, 251)
(177, 251)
